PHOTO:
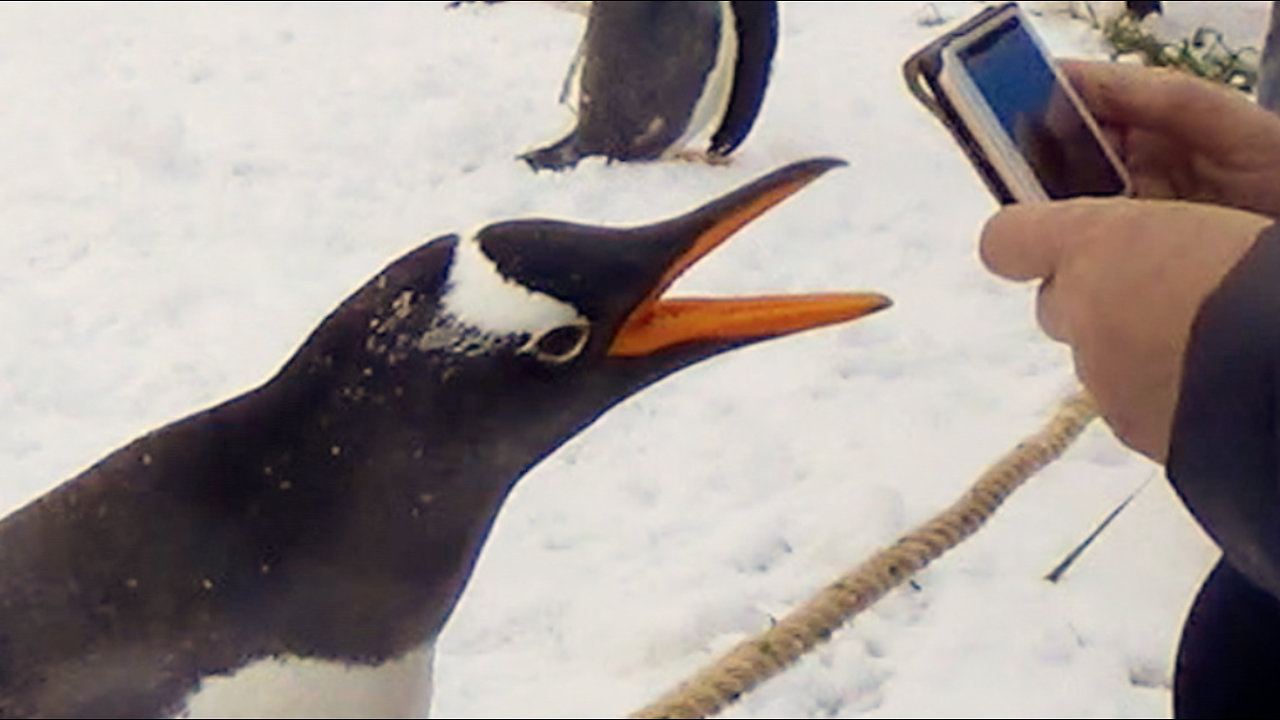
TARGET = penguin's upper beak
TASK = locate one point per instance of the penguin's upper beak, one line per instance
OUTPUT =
(657, 323)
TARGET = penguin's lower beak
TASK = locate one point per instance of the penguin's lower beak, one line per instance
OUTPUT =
(657, 323)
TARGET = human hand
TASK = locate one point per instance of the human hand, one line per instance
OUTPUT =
(1185, 138)
(1123, 281)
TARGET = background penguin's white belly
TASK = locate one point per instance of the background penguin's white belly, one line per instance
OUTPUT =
(709, 111)
(309, 688)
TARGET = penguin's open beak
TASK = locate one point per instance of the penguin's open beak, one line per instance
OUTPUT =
(657, 323)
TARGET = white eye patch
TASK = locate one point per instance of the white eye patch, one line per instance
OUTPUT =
(481, 309)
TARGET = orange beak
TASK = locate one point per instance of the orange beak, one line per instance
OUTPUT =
(658, 323)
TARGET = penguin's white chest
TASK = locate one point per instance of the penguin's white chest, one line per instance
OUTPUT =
(308, 688)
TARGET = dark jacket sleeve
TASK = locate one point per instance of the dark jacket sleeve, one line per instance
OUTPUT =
(1224, 455)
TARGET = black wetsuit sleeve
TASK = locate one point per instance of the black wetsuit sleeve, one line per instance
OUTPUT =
(1224, 455)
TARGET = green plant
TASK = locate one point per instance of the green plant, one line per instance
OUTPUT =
(1205, 53)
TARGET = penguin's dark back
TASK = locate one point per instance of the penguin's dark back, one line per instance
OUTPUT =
(644, 70)
(259, 527)
(158, 567)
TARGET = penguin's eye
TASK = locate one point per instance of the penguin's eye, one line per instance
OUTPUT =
(559, 345)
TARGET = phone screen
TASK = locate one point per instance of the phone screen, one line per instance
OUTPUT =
(1043, 123)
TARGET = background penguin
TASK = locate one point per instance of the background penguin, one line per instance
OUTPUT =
(655, 78)
(1142, 8)
(297, 549)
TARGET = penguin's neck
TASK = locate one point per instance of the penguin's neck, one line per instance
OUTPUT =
(380, 501)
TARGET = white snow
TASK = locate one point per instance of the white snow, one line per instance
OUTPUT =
(188, 188)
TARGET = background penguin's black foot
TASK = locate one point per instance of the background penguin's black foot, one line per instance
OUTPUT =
(561, 155)
(702, 156)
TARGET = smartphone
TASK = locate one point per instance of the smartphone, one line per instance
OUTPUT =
(992, 83)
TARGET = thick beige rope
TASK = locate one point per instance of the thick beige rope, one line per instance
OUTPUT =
(769, 653)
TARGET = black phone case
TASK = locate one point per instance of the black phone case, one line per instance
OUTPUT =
(921, 74)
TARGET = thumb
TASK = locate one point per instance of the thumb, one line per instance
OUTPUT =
(1024, 242)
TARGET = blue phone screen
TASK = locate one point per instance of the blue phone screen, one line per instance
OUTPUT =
(1046, 127)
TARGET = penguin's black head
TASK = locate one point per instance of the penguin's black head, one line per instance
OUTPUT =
(613, 280)
(529, 329)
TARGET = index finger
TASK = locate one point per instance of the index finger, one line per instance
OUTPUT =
(1190, 110)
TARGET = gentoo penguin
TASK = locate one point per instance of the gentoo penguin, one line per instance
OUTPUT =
(295, 550)
(657, 78)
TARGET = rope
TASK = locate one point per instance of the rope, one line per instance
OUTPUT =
(755, 660)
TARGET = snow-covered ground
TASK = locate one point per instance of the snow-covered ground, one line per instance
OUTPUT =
(188, 188)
